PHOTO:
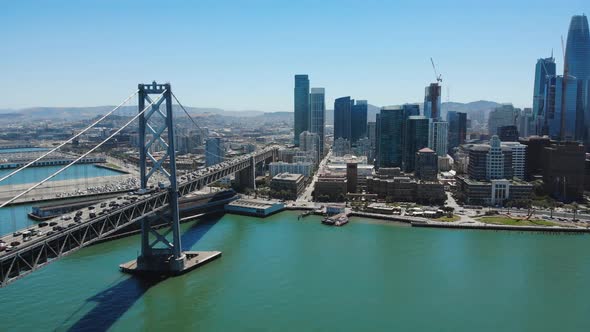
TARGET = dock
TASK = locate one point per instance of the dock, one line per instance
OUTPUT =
(193, 260)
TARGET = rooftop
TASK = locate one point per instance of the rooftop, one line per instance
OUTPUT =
(426, 150)
(288, 177)
(250, 203)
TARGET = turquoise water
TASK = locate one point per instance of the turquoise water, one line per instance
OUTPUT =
(280, 274)
(36, 174)
(15, 217)
(23, 150)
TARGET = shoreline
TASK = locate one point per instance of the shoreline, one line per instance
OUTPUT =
(493, 227)
(427, 223)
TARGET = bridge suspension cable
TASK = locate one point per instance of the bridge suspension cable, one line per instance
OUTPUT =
(70, 139)
(196, 124)
(85, 154)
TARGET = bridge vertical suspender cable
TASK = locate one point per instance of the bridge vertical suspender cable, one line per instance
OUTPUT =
(83, 155)
(71, 138)
(196, 124)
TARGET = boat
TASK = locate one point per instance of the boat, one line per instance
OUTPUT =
(328, 221)
(337, 220)
(341, 221)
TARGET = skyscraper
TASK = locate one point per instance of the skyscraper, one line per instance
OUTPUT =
(214, 152)
(495, 160)
(577, 50)
(301, 107)
(390, 125)
(518, 158)
(504, 115)
(318, 113)
(358, 123)
(310, 142)
(564, 111)
(575, 123)
(439, 137)
(342, 118)
(544, 69)
(372, 135)
(416, 138)
(390, 133)
(432, 101)
(526, 125)
(457, 128)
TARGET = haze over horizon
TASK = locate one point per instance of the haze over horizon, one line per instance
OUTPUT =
(238, 56)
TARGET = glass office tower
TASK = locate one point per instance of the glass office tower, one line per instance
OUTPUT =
(391, 133)
(577, 50)
(301, 106)
(544, 69)
(577, 64)
(457, 128)
(416, 138)
(342, 117)
(358, 123)
(317, 99)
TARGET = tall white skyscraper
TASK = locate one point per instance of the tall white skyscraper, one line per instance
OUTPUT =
(518, 158)
(495, 160)
(310, 142)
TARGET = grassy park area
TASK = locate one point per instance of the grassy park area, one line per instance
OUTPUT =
(449, 219)
(503, 220)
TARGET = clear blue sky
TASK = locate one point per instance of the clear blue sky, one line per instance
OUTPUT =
(242, 55)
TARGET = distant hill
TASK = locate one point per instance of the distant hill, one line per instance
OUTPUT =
(475, 110)
(81, 113)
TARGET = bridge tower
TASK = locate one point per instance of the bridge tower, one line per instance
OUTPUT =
(160, 255)
(246, 178)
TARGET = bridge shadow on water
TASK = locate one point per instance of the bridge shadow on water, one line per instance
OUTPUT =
(193, 234)
(112, 303)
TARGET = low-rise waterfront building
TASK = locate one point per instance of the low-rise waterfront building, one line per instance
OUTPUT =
(252, 207)
(393, 185)
(287, 186)
(330, 187)
(494, 192)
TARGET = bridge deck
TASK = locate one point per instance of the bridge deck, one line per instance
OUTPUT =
(68, 235)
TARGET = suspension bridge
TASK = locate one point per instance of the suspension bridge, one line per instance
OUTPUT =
(160, 253)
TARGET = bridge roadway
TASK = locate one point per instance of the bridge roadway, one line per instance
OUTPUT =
(68, 235)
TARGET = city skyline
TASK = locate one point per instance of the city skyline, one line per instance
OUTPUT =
(209, 60)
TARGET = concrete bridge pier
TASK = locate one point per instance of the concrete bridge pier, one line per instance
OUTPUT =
(246, 178)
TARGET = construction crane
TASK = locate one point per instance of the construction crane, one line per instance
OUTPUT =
(436, 74)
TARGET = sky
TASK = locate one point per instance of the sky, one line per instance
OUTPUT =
(242, 55)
